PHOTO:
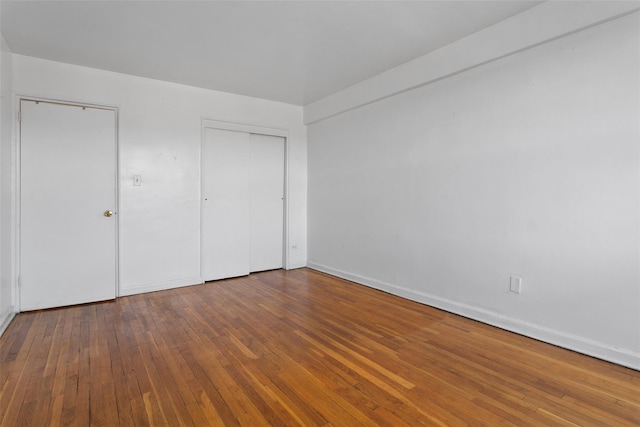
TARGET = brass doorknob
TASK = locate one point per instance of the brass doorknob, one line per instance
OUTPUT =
(108, 213)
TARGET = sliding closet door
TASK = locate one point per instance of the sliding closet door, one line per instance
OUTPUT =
(226, 201)
(267, 202)
(243, 203)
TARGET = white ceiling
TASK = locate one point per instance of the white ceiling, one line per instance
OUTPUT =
(290, 51)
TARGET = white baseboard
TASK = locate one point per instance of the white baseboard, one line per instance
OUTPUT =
(161, 286)
(582, 345)
(170, 284)
(6, 319)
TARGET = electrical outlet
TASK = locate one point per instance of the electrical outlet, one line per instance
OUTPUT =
(515, 284)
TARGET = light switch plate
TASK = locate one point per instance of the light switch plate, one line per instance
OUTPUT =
(515, 284)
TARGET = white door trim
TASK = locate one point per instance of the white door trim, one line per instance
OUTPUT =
(261, 130)
(17, 174)
(241, 127)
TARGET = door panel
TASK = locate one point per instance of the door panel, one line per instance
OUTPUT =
(267, 203)
(225, 215)
(242, 199)
(68, 247)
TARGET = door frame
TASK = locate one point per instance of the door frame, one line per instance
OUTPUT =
(261, 130)
(17, 175)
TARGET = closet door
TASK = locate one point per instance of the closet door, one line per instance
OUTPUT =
(226, 200)
(267, 202)
(243, 203)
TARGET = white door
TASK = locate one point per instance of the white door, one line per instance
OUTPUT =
(68, 238)
(267, 202)
(225, 213)
(243, 207)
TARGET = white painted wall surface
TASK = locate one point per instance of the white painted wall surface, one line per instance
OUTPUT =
(7, 233)
(547, 21)
(159, 137)
(526, 166)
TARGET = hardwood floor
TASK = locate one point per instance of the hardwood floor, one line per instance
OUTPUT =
(294, 348)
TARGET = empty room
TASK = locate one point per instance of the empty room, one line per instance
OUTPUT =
(319, 213)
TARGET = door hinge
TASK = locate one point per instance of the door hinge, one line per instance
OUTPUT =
(19, 281)
(19, 116)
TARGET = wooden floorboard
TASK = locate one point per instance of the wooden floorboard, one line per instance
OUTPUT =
(294, 348)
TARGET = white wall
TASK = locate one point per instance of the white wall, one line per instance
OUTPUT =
(545, 22)
(6, 228)
(159, 137)
(525, 166)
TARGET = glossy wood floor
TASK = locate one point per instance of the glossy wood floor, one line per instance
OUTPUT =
(294, 348)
